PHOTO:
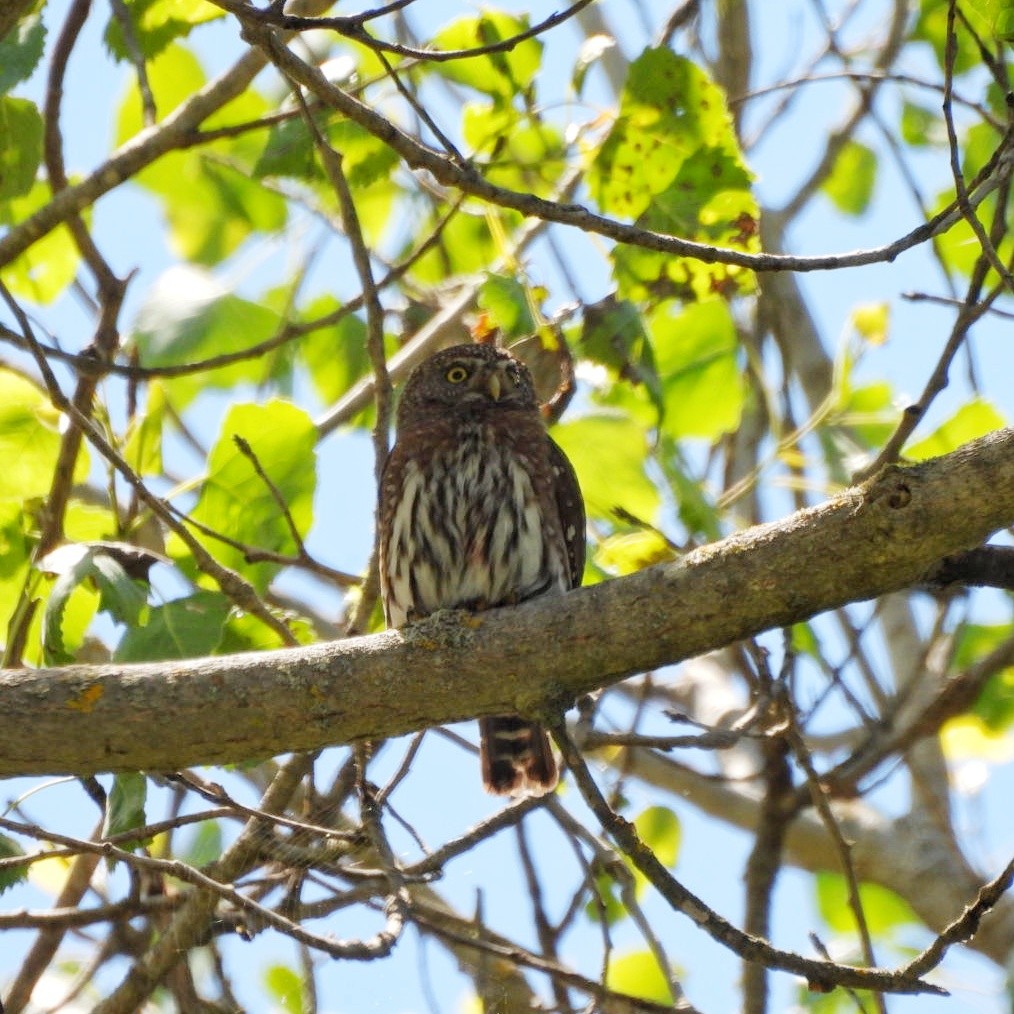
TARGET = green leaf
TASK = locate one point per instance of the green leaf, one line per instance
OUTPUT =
(519, 151)
(883, 910)
(637, 974)
(16, 547)
(29, 440)
(931, 25)
(143, 447)
(286, 987)
(245, 632)
(974, 419)
(504, 74)
(20, 146)
(21, 50)
(605, 905)
(613, 333)
(594, 439)
(125, 807)
(669, 109)
(672, 162)
(205, 846)
(850, 184)
(869, 413)
(465, 246)
(173, 77)
(697, 357)
(76, 564)
(187, 316)
(122, 597)
(11, 875)
(183, 628)
(871, 321)
(505, 299)
(659, 828)
(49, 265)
(629, 552)
(921, 126)
(995, 704)
(157, 23)
(236, 500)
(209, 197)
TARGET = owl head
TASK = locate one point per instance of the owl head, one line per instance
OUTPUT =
(467, 379)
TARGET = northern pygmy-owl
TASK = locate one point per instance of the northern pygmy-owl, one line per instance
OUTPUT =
(479, 508)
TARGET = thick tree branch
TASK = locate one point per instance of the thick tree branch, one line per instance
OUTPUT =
(868, 541)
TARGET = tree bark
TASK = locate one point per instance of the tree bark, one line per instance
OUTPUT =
(869, 540)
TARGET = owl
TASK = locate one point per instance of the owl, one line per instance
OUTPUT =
(479, 508)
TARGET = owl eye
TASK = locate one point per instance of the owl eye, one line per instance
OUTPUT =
(456, 374)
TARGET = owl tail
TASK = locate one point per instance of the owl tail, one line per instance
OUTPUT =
(516, 757)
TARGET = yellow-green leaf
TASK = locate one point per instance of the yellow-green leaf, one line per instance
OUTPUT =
(974, 419)
(883, 910)
(850, 184)
(637, 974)
(610, 454)
(871, 321)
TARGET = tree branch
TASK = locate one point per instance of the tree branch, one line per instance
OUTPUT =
(870, 540)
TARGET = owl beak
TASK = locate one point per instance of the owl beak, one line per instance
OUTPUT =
(494, 385)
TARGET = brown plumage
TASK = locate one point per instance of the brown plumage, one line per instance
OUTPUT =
(479, 508)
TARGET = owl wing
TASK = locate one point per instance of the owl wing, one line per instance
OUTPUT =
(570, 507)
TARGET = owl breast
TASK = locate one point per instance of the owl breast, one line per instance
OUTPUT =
(467, 532)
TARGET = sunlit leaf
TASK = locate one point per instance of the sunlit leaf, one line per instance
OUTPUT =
(243, 632)
(465, 246)
(850, 184)
(883, 910)
(672, 162)
(697, 357)
(519, 151)
(286, 987)
(974, 419)
(659, 828)
(506, 301)
(595, 440)
(637, 974)
(208, 194)
(143, 448)
(157, 22)
(187, 317)
(502, 74)
(29, 440)
(871, 321)
(173, 77)
(236, 500)
(605, 905)
(629, 552)
(931, 25)
(969, 737)
(869, 412)
(49, 265)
